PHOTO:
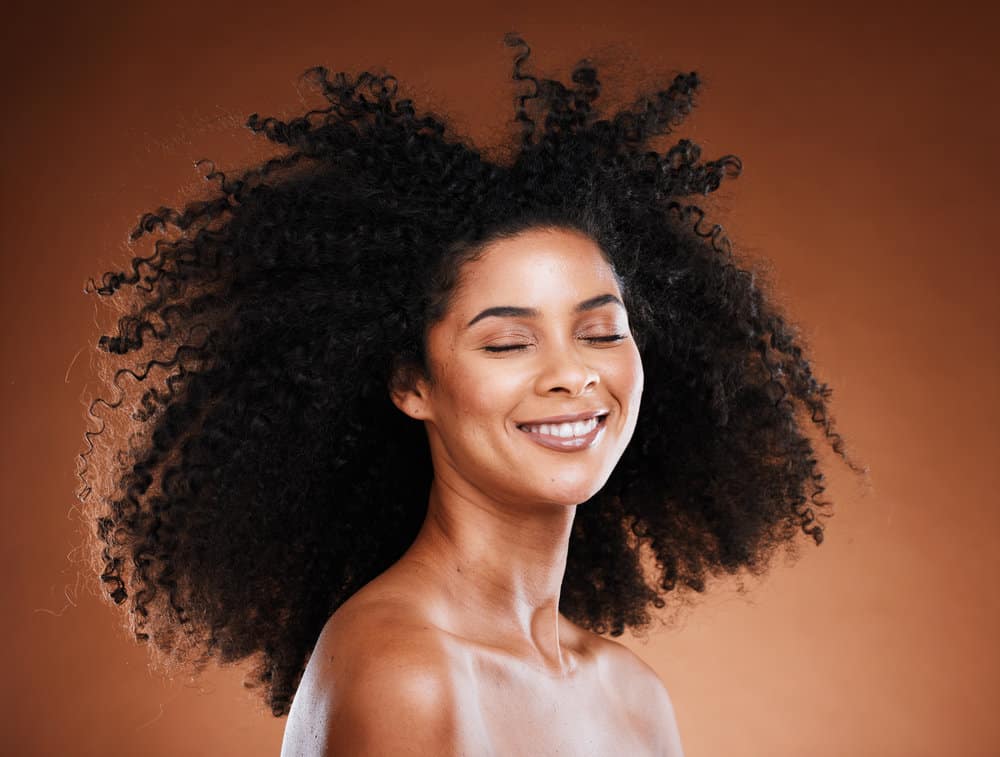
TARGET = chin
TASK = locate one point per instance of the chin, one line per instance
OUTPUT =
(568, 493)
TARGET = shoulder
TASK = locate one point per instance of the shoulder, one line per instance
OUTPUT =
(378, 682)
(645, 696)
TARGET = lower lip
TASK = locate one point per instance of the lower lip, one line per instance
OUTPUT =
(568, 444)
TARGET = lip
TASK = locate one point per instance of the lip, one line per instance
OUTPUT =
(571, 444)
(584, 416)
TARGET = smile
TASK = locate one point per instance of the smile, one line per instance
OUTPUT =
(567, 437)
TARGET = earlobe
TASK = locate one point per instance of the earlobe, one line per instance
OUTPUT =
(410, 402)
(408, 393)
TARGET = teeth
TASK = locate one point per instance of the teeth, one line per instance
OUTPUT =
(564, 430)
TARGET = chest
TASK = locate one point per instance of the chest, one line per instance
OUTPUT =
(525, 713)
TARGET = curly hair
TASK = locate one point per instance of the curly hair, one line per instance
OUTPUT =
(268, 477)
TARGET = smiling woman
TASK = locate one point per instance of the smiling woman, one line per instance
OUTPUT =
(517, 381)
(399, 460)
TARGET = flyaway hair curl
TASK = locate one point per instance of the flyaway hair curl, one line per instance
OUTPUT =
(268, 476)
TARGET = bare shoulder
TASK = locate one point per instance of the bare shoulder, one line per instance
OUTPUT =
(645, 695)
(378, 682)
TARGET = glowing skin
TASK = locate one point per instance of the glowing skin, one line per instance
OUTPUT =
(503, 500)
(461, 640)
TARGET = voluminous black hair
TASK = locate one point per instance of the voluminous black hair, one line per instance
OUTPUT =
(269, 476)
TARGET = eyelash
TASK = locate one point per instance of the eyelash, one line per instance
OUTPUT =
(514, 347)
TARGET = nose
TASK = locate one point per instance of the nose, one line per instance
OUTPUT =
(566, 371)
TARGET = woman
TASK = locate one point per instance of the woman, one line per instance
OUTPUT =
(399, 458)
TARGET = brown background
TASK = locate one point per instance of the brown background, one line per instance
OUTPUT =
(868, 136)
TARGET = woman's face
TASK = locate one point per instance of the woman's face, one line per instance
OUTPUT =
(536, 377)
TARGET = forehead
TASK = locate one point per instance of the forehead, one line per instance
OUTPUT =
(537, 263)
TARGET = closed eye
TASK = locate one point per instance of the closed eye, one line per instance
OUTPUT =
(596, 339)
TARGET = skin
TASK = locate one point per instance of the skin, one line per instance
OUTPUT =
(459, 648)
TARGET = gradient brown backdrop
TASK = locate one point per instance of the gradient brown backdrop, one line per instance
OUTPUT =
(868, 138)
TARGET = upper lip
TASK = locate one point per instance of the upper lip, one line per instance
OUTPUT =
(586, 415)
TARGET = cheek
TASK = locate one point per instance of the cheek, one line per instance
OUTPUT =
(626, 377)
(482, 389)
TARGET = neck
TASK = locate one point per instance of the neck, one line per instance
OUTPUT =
(498, 569)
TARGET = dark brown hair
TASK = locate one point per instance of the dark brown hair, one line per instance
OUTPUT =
(269, 477)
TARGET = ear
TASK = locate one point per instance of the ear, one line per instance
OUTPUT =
(409, 391)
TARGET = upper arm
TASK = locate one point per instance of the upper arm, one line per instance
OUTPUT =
(666, 721)
(374, 685)
(394, 705)
(650, 703)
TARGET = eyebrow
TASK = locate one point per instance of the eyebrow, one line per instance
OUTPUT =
(513, 311)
